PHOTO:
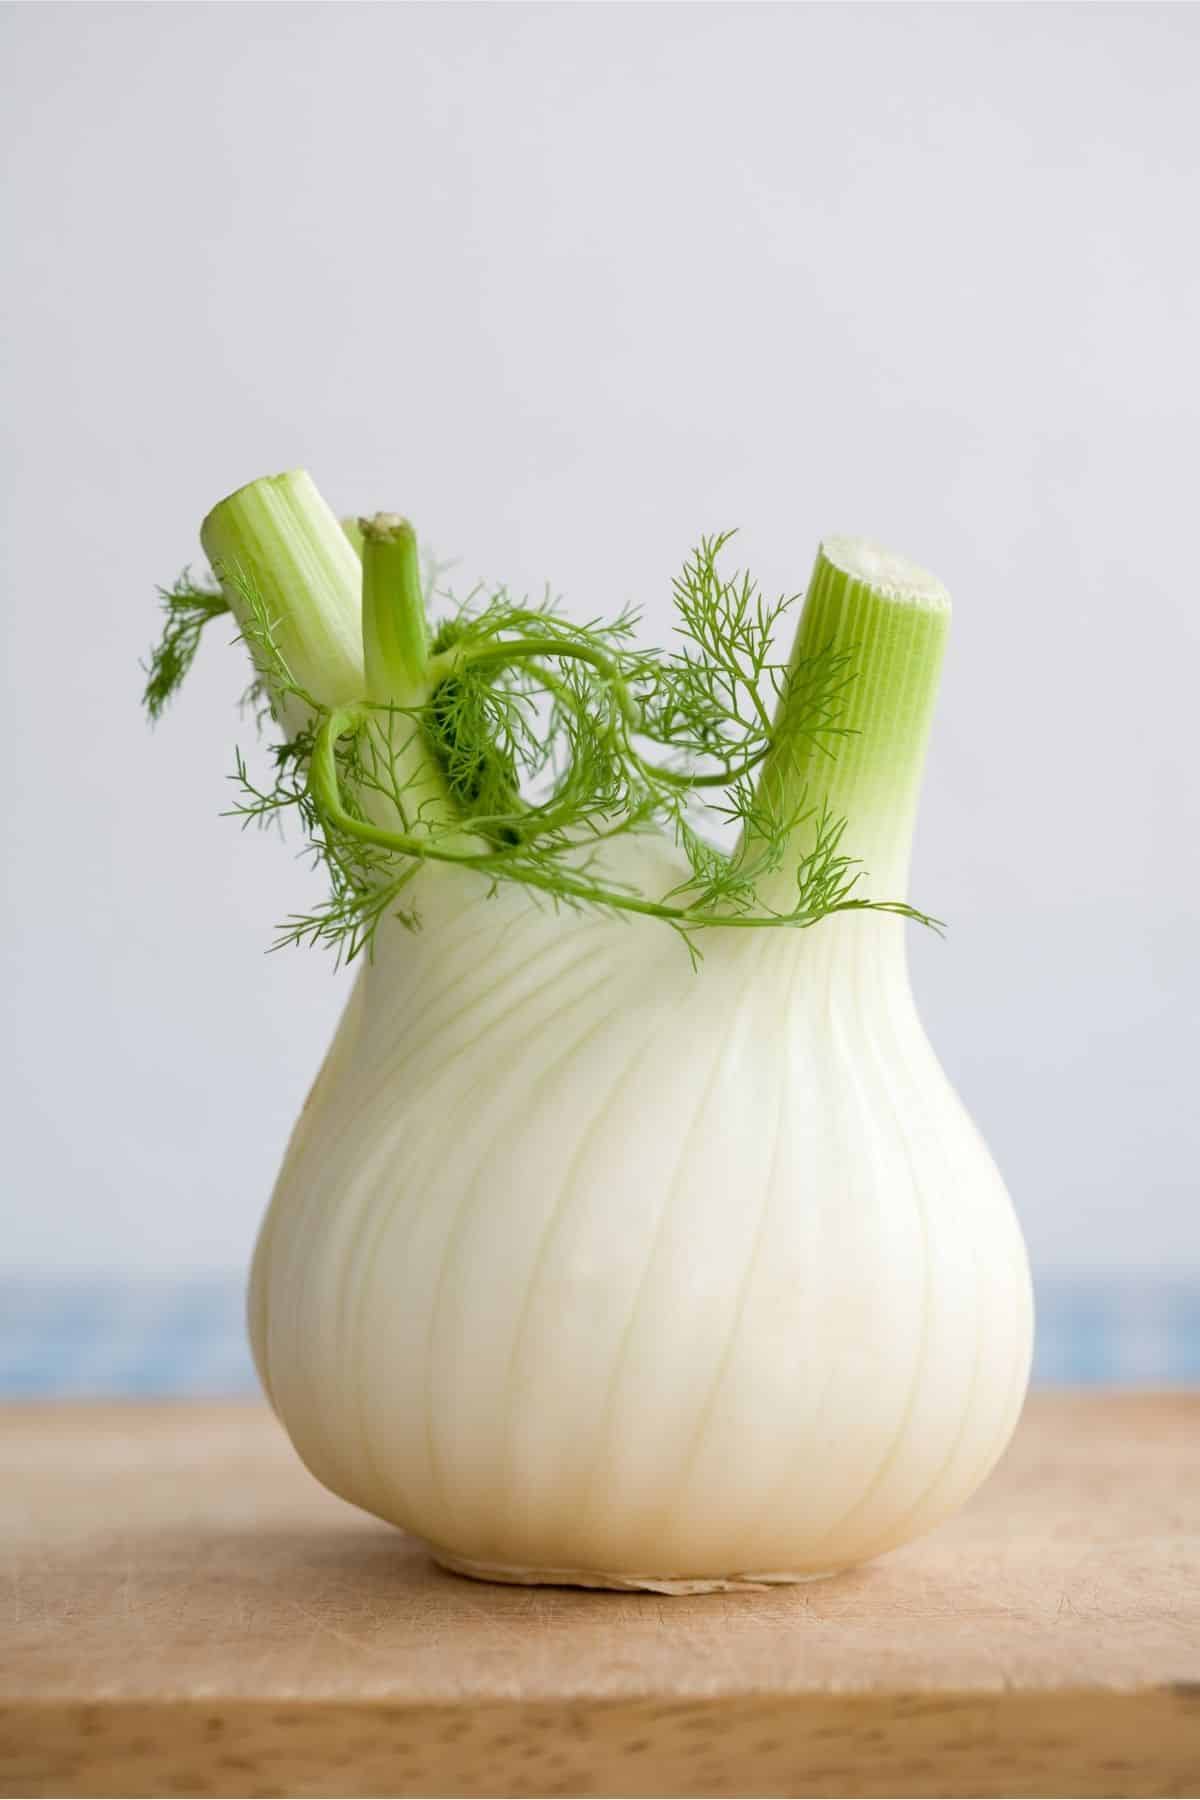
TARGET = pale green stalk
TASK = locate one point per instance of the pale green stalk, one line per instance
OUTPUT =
(395, 638)
(891, 620)
(282, 557)
(394, 630)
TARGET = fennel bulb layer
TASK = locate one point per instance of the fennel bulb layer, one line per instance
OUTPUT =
(584, 1266)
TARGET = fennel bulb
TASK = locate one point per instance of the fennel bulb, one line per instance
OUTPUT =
(584, 1264)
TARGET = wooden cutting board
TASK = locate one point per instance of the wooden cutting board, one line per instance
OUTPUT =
(185, 1611)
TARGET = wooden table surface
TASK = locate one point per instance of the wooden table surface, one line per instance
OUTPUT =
(186, 1612)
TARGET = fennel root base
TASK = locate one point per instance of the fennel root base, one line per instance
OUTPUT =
(514, 1576)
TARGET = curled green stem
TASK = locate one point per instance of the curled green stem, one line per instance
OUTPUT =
(325, 790)
(528, 652)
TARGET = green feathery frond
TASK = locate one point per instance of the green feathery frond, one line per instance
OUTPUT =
(188, 608)
(550, 738)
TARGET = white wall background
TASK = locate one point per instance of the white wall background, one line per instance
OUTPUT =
(571, 284)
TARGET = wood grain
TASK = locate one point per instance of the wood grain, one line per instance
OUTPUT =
(185, 1611)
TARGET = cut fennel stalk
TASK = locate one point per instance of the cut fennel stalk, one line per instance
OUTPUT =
(586, 1262)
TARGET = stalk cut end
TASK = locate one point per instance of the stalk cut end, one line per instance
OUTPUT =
(385, 528)
(886, 571)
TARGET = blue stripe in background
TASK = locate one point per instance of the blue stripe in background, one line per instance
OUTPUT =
(96, 1338)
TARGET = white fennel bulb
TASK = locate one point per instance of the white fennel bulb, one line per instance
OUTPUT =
(588, 1265)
